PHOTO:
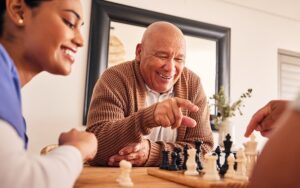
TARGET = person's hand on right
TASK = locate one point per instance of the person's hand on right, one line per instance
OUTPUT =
(168, 113)
(264, 119)
(84, 141)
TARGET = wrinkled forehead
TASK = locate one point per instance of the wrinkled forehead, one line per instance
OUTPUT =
(165, 42)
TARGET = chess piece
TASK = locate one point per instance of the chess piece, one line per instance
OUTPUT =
(178, 159)
(235, 163)
(251, 153)
(173, 165)
(124, 177)
(198, 144)
(165, 160)
(227, 151)
(230, 171)
(191, 164)
(211, 172)
(241, 173)
(218, 152)
(185, 156)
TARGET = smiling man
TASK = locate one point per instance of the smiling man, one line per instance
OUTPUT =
(142, 107)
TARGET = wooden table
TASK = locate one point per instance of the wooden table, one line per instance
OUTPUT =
(105, 177)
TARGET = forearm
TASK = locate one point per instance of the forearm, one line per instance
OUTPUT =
(114, 135)
(21, 169)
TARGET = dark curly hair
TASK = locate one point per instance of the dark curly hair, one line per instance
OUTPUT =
(30, 3)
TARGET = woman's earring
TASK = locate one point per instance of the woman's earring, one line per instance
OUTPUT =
(20, 21)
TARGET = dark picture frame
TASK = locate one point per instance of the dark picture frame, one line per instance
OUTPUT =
(103, 12)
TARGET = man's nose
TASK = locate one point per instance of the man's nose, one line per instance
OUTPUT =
(170, 65)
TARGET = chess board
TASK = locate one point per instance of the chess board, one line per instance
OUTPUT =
(195, 181)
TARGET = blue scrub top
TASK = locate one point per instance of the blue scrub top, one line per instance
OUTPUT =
(10, 96)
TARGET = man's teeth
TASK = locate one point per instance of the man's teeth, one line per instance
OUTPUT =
(165, 77)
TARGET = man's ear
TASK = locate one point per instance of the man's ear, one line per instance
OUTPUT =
(15, 10)
(138, 51)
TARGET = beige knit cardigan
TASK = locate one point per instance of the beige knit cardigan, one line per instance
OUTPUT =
(118, 116)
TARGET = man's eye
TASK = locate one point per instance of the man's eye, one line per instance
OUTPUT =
(179, 60)
(69, 24)
(162, 56)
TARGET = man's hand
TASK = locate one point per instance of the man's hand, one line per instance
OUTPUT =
(136, 153)
(168, 113)
(84, 141)
(264, 119)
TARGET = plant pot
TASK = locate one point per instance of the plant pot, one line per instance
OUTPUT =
(225, 128)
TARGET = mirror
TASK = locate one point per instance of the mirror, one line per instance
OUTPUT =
(207, 45)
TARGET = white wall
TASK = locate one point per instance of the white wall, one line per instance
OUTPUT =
(53, 104)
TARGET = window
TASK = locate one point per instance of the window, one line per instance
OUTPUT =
(289, 74)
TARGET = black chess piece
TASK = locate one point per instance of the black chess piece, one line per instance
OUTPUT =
(165, 160)
(235, 163)
(173, 165)
(218, 152)
(227, 145)
(198, 144)
(178, 159)
(185, 156)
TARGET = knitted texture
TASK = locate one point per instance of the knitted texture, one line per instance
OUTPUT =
(118, 116)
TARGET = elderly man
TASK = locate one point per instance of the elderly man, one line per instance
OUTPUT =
(142, 107)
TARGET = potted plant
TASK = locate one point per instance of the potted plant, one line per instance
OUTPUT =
(226, 110)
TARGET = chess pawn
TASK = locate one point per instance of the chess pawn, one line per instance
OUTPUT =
(191, 164)
(165, 160)
(173, 165)
(241, 173)
(185, 156)
(198, 144)
(124, 177)
(230, 172)
(251, 153)
(218, 152)
(211, 172)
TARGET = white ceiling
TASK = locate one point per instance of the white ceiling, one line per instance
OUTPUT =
(289, 9)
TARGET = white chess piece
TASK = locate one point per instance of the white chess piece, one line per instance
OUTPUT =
(211, 172)
(204, 164)
(191, 164)
(230, 172)
(251, 153)
(124, 177)
(241, 173)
